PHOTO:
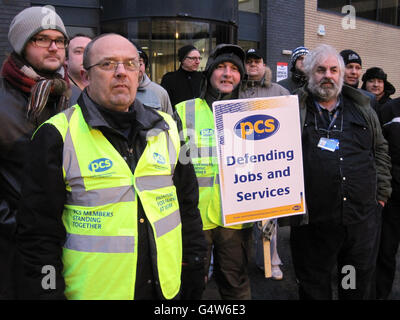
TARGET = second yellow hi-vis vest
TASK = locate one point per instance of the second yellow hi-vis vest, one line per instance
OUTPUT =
(100, 213)
(199, 134)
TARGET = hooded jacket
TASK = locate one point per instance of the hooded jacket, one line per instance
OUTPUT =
(262, 88)
(153, 95)
(294, 82)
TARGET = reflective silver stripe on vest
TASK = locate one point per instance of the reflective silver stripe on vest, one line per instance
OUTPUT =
(202, 152)
(172, 152)
(167, 224)
(93, 198)
(190, 115)
(153, 182)
(105, 244)
(207, 181)
(70, 160)
(205, 152)
(190, 118)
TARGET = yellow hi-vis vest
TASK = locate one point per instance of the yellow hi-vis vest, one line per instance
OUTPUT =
(100, 213)
(199, 134)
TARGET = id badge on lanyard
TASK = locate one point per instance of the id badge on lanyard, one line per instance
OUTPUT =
(328, 143)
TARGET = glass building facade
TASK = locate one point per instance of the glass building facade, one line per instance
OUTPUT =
(161, 39)
(161, 27)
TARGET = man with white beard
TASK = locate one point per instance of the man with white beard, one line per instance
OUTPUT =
(347, 182)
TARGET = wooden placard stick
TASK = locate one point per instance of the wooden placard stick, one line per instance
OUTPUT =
(267, 254)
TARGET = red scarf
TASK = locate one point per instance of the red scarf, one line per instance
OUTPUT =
(24, 78)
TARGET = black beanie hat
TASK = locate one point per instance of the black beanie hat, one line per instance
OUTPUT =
(225, 52)
(184, 51)
(350, 56)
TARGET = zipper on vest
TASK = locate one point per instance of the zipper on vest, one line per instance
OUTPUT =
(130, 159)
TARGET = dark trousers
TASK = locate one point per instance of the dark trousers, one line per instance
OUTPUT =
(318, 248)
(390, 238)
(231, 250)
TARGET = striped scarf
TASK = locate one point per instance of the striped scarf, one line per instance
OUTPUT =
(23, 77)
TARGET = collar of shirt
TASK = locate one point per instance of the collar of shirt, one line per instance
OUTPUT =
(320, 107)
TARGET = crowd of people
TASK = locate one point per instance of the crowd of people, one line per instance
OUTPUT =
(106, 193)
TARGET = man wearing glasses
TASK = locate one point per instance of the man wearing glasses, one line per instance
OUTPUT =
(184, 84)
(33, 87)
(106, 205)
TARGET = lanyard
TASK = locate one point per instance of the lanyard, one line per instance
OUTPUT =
(332, 119)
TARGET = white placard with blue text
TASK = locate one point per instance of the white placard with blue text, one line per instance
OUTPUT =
(260, 158)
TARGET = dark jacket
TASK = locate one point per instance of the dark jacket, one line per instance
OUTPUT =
(263, 88)
(390, 117)
(388, 90)
(41, 233)
(182, 85)
(382, 159)
(75, 93)
(15, 134)
(294, 82)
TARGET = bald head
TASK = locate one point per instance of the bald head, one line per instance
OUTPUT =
(87, 61)
(111, 65)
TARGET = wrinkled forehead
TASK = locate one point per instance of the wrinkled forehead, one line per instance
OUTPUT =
(113, 47)
(327, 62)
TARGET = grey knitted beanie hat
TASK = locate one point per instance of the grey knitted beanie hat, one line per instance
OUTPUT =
(29, 22)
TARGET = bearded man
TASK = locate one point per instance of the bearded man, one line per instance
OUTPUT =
(347, 182)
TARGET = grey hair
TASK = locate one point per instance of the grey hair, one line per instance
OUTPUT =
(318, 55)
(311, 63)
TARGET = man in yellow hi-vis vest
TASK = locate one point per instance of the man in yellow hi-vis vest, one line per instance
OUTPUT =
(108, 212)
(231, 245)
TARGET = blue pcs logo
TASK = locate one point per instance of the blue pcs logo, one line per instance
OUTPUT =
(207, 132)
(158, 158)
(100, 165)
(256, 127)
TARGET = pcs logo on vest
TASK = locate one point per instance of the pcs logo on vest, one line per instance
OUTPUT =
(158, 158)
(100, 165)
(208, 132)
(256, 127)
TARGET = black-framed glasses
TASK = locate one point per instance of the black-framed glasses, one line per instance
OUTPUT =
(194, 58)
(111, 65)
(45, 42)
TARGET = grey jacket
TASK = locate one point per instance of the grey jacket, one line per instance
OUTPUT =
(263, 88)
(153, 95)
(382, 158)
